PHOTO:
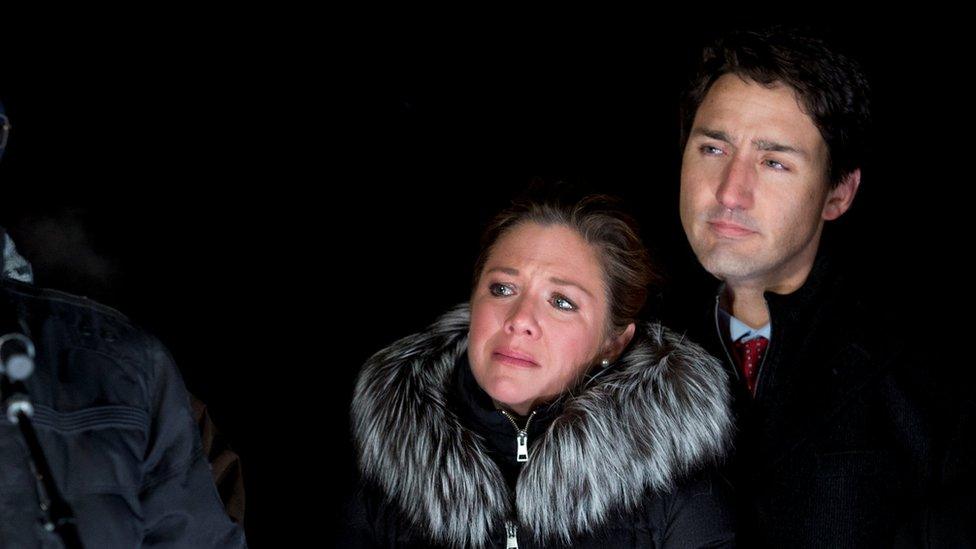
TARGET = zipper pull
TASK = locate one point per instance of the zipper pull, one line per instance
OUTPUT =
(522, 440)
(521, 437)
(512, 541)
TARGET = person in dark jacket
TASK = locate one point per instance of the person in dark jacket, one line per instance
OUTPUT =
(114, 422)
(542, 413)
(836, 441)
(224, 462)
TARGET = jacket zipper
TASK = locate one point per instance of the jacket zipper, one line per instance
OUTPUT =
(521, 437)
(721, 339)
(512, 532)
(521, 456)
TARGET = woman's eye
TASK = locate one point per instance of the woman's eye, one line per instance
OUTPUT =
(500, 290)
(562, 303)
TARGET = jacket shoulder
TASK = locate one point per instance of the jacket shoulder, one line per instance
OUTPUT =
(35, 296)
(62, 320)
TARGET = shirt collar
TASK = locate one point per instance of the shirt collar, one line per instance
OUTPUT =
(740, 331)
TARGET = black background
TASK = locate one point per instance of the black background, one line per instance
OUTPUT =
(278, 195)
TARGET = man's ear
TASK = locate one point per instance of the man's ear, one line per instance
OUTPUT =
(840, 198)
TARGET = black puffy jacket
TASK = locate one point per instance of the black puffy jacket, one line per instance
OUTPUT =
(617, 463)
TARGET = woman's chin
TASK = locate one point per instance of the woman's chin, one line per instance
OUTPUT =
(510, 395)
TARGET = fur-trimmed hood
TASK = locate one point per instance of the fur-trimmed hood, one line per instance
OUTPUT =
(660, 412)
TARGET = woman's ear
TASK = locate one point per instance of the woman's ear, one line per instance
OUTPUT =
(617, 344)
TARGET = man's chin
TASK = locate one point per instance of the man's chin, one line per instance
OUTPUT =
(725, 266)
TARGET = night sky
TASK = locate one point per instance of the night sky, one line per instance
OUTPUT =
(277, 196)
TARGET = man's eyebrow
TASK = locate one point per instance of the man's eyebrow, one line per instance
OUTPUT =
(759, 144)
(712, 134)
(773, 146)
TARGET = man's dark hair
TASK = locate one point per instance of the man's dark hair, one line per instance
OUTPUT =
(830, 86)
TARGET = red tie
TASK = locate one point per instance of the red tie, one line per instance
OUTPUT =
(749, 354)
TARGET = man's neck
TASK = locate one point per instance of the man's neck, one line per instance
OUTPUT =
(745, 299)
(748, 305)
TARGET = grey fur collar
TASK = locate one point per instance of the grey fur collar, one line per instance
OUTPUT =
(660, 413)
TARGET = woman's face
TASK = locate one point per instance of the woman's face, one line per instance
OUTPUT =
(538, 316)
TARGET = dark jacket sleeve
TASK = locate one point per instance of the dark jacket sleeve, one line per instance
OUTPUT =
(180, 504)
(699, 514)
(945, 518)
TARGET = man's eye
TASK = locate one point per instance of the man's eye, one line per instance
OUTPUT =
(710, 150)
(562, 303)
(775, 165)
(500, 290)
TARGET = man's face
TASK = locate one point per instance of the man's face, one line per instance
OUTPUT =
(754, 192)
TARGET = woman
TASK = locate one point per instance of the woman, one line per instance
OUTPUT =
(540, 413)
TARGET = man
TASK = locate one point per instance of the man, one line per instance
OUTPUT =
(834, 443)
(112, 419)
